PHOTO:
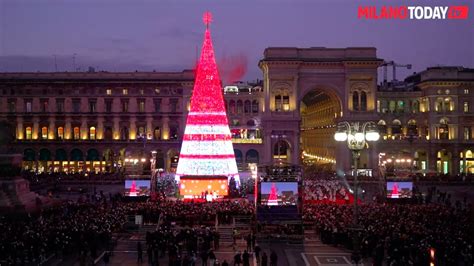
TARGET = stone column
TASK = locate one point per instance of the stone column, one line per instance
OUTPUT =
(165, 132)
(267, 142)
(100, 128)
(133, 128)
(67, 130)
(52, 130)
(149, 126)
(20, 133)
(84, 129)
(35, 128)
(116, 129)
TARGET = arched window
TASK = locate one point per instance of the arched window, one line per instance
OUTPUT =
(255, 107)
(108, 133)
(157, 133)
(355, 100)
(382, 127)
(396, 127)
(141, 132)
(28, 133)
(232, 106)
(92, 133)
(281, 149)
(400, 106)
(439, 105)
(124, 133)
(238, 156)
(448, 104)
(44, 132)
(251, 156)
(76, 133)
(363, 101)
(247, 107)
(412, 127)
(174, 132)
(60, 133)
(443, 129)
(392, 106)
(415, 107)
(240, 106)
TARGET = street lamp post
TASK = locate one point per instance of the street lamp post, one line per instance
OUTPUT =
(356, 134)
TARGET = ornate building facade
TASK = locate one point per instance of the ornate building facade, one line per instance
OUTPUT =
(100, 121)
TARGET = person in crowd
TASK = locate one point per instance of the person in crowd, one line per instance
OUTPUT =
(273, 258)
(257, 251)
(264, 259)
(246, 258)
(237, 258)
(139, 252)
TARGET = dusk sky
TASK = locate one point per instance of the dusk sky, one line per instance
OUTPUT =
(129, 35)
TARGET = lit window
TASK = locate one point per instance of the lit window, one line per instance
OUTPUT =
(77, 133)
(466, 91)
(157, 91)
(467, 133)
(466, 107)
(363, 101)
(28, 133)
(125, 106)
(44, 132)
(60, 133)
(141, 106)
(28, 107)
(109, 91)
(142, 91)
(125, 91)
(92, 133)
(286, 103)
(355, 101)
(255, 106)
(278, 103)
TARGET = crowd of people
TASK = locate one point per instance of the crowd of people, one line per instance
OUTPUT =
(325, 190)
(188, 212)
(183, 245)
(399, 234)
(62, 230)
(402, 234)
(56, 178)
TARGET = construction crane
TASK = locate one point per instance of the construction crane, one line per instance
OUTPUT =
(394, 69)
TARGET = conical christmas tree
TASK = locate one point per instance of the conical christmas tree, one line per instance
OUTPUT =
(273, 198)
(395, 194)
(207, 143)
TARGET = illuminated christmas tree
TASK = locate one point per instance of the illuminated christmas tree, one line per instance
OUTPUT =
(133, 189)
(395, 191)
(207, 149)
(273, 198)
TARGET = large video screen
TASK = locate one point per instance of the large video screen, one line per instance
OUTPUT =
(399, 190)
(137, 187)
(202, 187)
(278, 193)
